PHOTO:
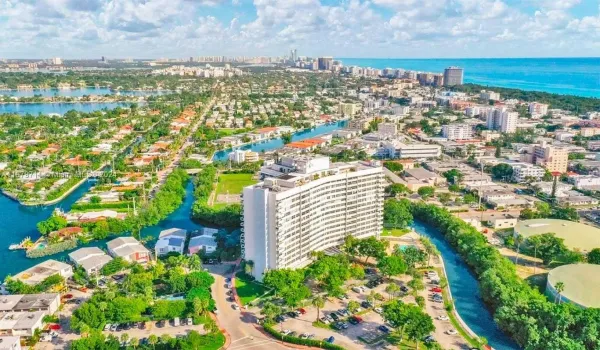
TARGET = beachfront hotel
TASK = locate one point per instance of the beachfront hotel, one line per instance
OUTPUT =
(308, 204)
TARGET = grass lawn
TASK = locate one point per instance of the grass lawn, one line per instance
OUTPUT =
(212, 341)
(233, 183)
(246, 289)
(396, 232)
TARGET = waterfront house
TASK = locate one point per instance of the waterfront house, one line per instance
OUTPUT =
(206, 241)
(47, 302)
(169, 241)
(91, 259)
(36, 274)
(129, 249)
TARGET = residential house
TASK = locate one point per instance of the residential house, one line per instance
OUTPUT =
(91, 259)
(170, 241)
(129, 249)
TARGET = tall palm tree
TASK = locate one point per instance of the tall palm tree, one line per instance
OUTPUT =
(518, 241)
(319, 303)
(559, 287)
(392, 289)
(152, 340)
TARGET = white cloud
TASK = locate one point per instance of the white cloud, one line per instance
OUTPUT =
(143, 28)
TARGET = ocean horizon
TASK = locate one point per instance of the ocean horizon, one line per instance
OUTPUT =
(579, 76)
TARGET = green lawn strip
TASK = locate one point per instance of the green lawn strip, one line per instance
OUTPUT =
(233, 183)
(453, 320)
(395, 232)
(213, 341)
(248, 290)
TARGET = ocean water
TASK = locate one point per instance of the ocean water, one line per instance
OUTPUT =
(567, 76)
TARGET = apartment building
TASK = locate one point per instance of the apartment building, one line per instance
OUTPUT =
(538, 110)
(550, 157)
(486, 95)
(524, 171)
(502, 119)
(311, 208)
(349, 109)
(457, 131)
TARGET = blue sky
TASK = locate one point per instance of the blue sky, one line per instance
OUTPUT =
(342, 28)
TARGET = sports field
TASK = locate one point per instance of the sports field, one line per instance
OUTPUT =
(229, 188)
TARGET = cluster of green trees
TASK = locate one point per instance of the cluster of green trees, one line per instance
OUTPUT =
(521, 311)
(397, 189)
(135, 299)
(168, 198)
(228, 216)
(15, 286)
(97, 341)
(412, 321)
(544, 210)
(571, 103)
(396, 213)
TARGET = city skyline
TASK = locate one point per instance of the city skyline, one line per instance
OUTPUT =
(354, 28)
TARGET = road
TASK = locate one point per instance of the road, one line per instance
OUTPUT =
(240, 325)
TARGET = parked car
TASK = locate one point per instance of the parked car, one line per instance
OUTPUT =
(436, 289)
(344, 312)
(107, 327)
(160, 324)
(378, 310)
(451, 331)
(302, 311)
(343, 297)
(292, 314)
(355, 320)
(304, 336)
(443, 318)
(366, 304)
(429, 339)
(383, 329)
(404, 289)
(286, 332)
(235, 306)
(279, 319)
(356, 290)
(324, 320)
(330, 340)
(190, 321)
(334, 316)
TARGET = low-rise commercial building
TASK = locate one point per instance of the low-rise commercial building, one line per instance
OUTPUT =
(522, 172)
(10, 343)
(21, 324)
(397, 149)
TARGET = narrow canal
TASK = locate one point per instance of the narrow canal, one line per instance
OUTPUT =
(465, 291)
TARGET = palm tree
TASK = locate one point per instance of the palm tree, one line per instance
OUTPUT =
(152, 340)
(430, 249)
(124, 338)
(371, 297)
(249, 267)
(135, 342)
(518, 240)
(319, 303)
(559, 287)
(392, 289)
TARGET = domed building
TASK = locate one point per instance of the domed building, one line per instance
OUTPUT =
(580, 284)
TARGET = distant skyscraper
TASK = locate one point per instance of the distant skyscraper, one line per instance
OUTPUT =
(57, 61)
(325, 63)
(453, 76)
(438, 80)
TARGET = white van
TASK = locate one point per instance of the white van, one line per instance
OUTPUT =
(176, 322)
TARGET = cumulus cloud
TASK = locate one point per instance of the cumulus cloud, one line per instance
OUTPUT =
(144, 28)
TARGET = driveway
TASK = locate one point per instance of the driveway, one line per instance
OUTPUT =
(240, 324)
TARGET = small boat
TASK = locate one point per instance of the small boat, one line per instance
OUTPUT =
(14, 247)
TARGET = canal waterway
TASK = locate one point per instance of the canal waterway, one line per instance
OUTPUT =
(52, 92)
(59, 107)
(18, 222)
(273, 144)
(465, 291)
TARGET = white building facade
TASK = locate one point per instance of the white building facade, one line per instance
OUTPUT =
(287, 218)
(457, 131)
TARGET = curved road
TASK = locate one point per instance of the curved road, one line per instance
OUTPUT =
(240, 325)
